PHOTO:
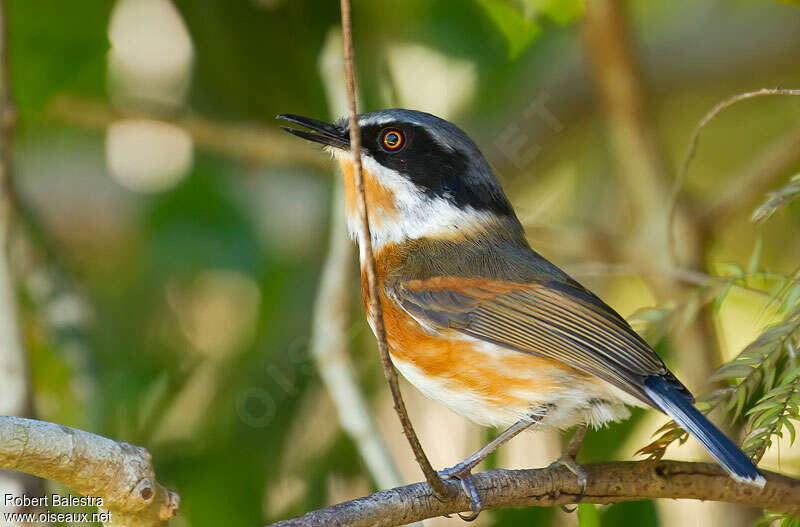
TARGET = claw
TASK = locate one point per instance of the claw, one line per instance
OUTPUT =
(583, 480)
(463, 474)
(474, 499)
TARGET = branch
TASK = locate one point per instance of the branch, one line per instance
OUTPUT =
(119, 473)
(375, 312)
(608, 483)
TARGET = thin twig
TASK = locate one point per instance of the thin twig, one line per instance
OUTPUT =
(368, 261)
(608, 483)
(692, 150)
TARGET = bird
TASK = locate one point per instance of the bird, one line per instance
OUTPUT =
(476, 319)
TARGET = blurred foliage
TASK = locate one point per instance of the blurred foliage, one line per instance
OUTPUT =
(245, 432)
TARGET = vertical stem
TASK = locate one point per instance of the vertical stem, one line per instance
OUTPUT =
(365, 243)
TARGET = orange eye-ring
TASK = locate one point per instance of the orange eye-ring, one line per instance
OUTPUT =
(392, 140)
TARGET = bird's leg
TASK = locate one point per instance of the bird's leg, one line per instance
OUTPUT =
(567, 460)
(463, 471)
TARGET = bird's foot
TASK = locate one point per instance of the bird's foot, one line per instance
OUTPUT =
(573, 466)
(463, 473)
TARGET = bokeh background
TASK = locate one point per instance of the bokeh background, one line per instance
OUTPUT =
(168, 241)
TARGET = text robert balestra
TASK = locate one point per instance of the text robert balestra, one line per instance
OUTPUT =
(51, 500)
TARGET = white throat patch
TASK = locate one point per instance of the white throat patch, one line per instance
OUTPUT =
(418, 215)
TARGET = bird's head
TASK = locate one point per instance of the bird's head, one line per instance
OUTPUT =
(423, 176)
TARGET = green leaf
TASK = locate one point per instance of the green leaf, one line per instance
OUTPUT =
(518, 30)
(732, 370)
(740, 400)
(770, 410)
(790, 427)
(769, 378)
(791, 375)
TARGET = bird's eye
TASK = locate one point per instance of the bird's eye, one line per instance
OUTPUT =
(392, 140)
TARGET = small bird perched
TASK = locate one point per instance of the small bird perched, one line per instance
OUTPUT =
(476, 319)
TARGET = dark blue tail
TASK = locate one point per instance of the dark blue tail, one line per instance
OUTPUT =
(675, 404)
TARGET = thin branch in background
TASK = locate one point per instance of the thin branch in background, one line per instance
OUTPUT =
(610, 482)
(375, 311)
(119, 473)
(692, 150)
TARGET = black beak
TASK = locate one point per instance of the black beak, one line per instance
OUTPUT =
(318, 131)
